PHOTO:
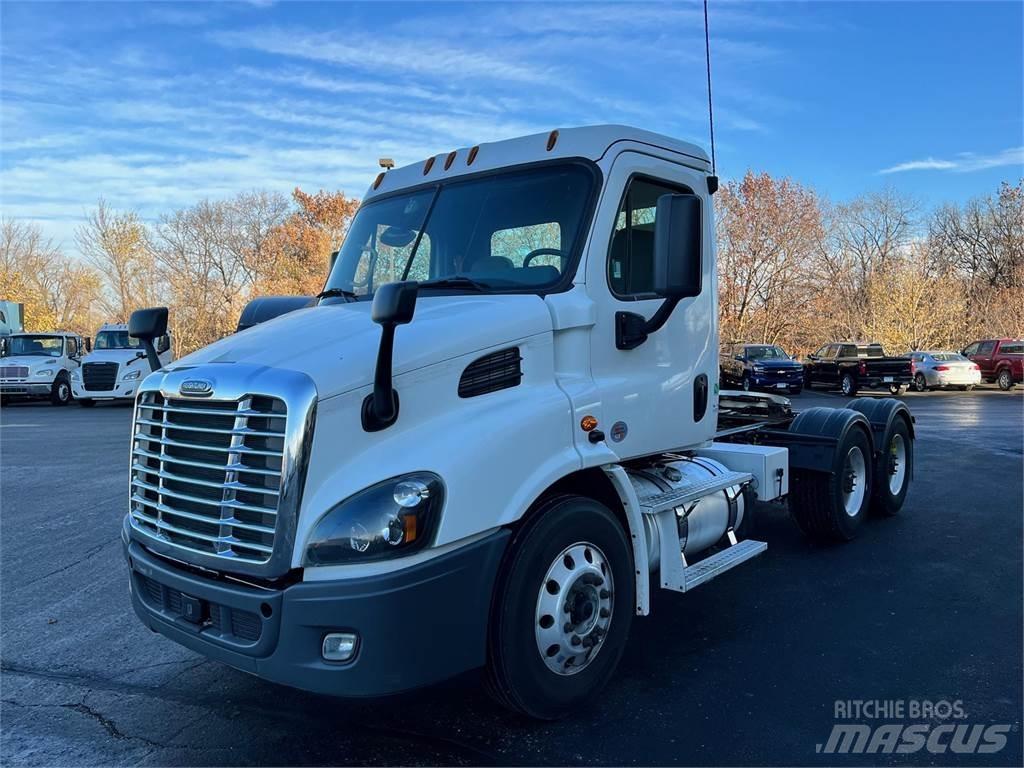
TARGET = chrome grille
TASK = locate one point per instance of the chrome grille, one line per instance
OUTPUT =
(13, 371)
(206, 475)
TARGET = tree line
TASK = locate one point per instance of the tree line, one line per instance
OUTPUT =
(795, 269)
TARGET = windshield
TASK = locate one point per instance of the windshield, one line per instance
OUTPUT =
(508, 232)
(766, 353)
(43, 346)
(116, 340)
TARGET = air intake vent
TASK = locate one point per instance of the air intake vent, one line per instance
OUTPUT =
(498, 370)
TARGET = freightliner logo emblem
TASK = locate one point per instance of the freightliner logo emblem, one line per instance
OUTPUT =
(196, 388)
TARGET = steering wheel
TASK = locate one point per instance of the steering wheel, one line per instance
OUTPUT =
(543, 252)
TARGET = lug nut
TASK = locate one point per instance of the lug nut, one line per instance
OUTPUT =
(576, 640)
(605, 613)
(605, 594)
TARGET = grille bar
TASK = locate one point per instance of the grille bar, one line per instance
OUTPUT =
(243, 450)
(234, 467)
(163, 509)
(244, 431)
(229, 541)
(159, 489)
(234, 485)
(218, 412)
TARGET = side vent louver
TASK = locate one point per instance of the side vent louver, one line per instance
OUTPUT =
(490, 373)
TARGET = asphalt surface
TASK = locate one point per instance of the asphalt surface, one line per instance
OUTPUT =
(745, 670)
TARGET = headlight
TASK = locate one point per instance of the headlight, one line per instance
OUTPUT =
(76, 375)
(390, 519)
(131, 376)
(48, 372)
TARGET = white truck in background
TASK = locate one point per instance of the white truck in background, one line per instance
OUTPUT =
(40, 365)
(332, 502)
(116, 366)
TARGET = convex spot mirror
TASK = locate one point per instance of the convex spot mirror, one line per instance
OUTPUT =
(678, 240)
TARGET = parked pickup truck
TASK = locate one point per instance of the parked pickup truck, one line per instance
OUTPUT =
(851, 366)
(760, 366)
(495, 461)
(1001, 360)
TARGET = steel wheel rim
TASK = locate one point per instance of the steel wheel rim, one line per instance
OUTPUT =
(1004, 378)
(897, 464)
(746, 385)
(847, 385)
(62, 391)
(853, 478)
(574, 609)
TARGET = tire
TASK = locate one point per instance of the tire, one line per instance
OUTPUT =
(920, 383)
(897, 389)
(518, 675)
(60, 392)
(808, 384)
(893, 469)
(746, 383)
(967, 388)
(822, 508)
(1005, 380)
(848, 385)
(87, 402)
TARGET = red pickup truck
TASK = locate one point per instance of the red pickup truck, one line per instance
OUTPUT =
(1000, 360)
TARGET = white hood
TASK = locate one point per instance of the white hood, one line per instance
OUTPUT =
(33, 362)
(120, 356)
(336, 345)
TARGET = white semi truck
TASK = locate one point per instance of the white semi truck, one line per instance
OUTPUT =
(116, 366)
(497, 431)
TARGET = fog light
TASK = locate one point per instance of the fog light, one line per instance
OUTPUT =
(340, 646)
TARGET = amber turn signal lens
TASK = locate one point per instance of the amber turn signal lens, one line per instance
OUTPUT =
(588, 423)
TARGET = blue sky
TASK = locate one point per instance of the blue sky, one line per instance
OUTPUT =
(158, 105)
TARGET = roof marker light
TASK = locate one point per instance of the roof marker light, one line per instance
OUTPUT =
(472, 155)
(552, 139)
(428, 165)
(449, 160)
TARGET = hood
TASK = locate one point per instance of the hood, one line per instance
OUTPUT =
(32, 361)
(336, 345)
(114, 356)
(778, 363)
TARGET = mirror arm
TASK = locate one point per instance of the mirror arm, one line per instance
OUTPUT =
(632, 330)
(380, 408)
(154, 359)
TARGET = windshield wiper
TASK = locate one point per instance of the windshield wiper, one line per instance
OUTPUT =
(457, 281)
(331, 293)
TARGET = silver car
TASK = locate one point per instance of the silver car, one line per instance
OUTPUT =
(933, 370)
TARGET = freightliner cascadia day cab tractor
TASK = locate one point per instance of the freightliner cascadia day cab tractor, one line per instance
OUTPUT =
(498, 430)
(116, 365)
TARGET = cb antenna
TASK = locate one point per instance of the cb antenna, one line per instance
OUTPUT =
(711, 113)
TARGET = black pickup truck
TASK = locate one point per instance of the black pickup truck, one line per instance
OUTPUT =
(851, 366)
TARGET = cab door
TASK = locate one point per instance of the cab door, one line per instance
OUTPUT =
(661, 394)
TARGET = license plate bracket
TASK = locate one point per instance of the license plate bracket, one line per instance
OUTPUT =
(887, 379)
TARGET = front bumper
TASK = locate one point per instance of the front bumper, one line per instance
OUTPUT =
(121, 391)
(778, 382)
(28, 388)
(416, 626)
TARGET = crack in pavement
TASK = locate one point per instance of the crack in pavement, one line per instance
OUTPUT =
(88, 554)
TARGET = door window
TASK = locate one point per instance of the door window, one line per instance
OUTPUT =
(986, 347)
(631, 256)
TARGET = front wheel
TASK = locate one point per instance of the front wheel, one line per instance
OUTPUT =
(562, 609)
(848, 385)
(746, 383)
(920, 383)
(60, 392)
(1005, 379)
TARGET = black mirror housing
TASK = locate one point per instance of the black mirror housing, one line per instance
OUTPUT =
(678, 240)
(148, 323)
(394, 303)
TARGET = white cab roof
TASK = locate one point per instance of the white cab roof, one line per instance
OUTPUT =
(113, 327)
(590, 142)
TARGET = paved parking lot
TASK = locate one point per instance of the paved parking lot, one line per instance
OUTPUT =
(743, 671)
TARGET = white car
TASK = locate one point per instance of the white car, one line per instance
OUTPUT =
(40, 365)
(943, 369)
(116, 366)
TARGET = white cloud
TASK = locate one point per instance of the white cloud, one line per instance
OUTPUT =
(965, 162)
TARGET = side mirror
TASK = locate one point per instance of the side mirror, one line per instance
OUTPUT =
(88, 344)
(678, 238)
(146, 325)
(394, 304)
(678, 266)
(738, 357)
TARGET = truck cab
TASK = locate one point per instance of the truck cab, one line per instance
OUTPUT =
(40, 365)
(116, 366)
(497, 430)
